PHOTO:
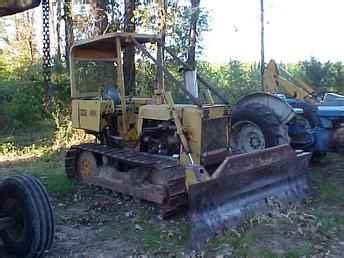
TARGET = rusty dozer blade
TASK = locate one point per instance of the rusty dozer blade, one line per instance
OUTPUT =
(241, 188)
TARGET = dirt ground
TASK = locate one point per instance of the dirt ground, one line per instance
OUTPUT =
(92, 222)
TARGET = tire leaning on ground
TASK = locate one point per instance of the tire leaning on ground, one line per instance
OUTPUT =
(256, 127)
(26, 200)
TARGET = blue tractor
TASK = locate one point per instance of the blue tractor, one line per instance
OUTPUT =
(318, 126)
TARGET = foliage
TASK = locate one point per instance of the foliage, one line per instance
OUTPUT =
(21, 91)
(179, 30)
(178, 19)
(21, 95)
(21, 82)
(21, 103)
(65, 135)
(329, 75)
(42, 139)
(233, 80)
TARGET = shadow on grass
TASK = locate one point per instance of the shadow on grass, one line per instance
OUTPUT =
(42, 133)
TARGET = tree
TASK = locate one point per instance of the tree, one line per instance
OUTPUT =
(25, 35)
(69, 32)
(339, 76)
(114, 14)
(312, 71)
(179, 29)
(191, 61)
(100, 20)
(58, 30)
(129, 52)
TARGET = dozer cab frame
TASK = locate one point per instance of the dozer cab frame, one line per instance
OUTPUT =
(177, 155)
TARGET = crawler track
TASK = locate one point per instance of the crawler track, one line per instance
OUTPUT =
(168, 190)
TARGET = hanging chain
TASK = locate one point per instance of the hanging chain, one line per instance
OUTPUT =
(46, 54)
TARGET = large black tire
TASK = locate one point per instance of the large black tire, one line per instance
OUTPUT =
(275, 133)
(25, 199)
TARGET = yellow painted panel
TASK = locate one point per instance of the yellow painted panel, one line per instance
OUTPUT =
(88, 113)
(155, 112)
(75, 114)
(215, 111)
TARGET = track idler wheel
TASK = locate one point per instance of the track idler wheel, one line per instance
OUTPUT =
(24, 203)
(86, 165)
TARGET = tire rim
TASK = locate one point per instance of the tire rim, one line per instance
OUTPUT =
(247, 137)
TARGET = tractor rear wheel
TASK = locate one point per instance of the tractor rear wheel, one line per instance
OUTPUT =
(312, 120)
(24, 200)
(256, 127)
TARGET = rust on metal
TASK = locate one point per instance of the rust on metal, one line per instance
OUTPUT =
(241, 188)
(155, 178)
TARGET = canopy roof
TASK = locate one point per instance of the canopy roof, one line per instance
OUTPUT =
(9, 7)
(104, 47)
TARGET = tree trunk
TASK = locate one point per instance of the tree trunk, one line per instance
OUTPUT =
(161, 54)
(100, 16)
(58, 30)
(30, 38)
(69, 34)
(129, 52)
(191, 61)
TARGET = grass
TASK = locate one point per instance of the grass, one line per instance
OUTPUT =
(58, 183)
(305, 250)
(330, 192)
(27, 136)
(237, 243)
(154, 238)
(48, 166)
(45, 138)
(158, 236)
(40, 152)
(245, 246)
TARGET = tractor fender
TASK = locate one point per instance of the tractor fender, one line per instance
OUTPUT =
(283, 111)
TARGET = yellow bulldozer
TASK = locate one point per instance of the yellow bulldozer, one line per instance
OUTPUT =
(221, 162)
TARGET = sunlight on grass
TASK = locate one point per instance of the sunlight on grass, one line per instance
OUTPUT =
(28, 144)
(9, 152)
(41, 153)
